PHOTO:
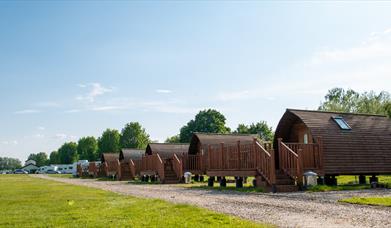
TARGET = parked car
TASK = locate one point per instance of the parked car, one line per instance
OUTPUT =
(20, 171)
(53, 172)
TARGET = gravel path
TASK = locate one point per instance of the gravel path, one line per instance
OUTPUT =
(282, 209)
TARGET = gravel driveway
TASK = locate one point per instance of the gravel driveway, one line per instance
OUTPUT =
(282, 209)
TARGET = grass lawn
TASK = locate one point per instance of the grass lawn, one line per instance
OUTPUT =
(61, 175)
(349, 183)
(376, 201)
(31, 202)
(326, 188)
(231, 186)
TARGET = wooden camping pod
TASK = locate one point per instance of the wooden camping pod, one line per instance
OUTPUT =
(130, 161)
(333, 143)
(165, 161)
(110, 165)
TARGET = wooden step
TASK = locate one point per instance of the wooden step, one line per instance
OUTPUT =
(285, 181)
(286, 188)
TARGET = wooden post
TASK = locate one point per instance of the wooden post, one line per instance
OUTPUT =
(209, 157)
(119, 173)
(239, 159)
(272, 167)
(222, 156)
(300, 168)
(256, 155)
(130, 169)
(320, 145)
(279, 152)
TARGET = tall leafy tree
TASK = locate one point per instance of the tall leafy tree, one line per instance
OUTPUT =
(209, 120)
(9, 163)
(261, 128)
(40, 158)
(54, 158)
(87, 148)
(133, 135)
(68, 153)
(109, 142)
(339, 100)
(173, 139)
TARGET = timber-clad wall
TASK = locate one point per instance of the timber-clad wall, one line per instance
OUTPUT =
(365, 149)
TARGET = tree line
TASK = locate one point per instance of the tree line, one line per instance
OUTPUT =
(133, 135)
(340, 100)
(9, 163)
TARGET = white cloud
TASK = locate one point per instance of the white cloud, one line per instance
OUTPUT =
(362, 67)
(167, 107)
(72, 111)
(96, 89)
(61, 136)
(47, 104)
(107, 108)
(11, 142)
(377, 46)
(163, 91)
(41, 128)
(39, 136)
(27, 111)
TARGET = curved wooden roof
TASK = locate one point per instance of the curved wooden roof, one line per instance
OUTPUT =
(204, 139)
(368, 141)
(167, 150)
(129, 153)
(108, 157)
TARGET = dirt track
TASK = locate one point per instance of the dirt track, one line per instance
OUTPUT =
(281, 209)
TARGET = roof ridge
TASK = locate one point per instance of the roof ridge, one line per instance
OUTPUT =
(346, 113)
(169, 143)
(226, 134)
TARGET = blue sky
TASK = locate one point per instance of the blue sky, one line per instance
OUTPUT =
(72, 69)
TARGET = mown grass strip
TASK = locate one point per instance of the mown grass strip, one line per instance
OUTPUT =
(374, 201)
(31, 202)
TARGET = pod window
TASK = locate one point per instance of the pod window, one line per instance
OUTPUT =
(342, 123)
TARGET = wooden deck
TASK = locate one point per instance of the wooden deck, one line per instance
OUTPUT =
(297, 158)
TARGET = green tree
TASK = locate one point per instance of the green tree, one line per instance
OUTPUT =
(68, 153)
(339, 100)
(173, 139)
(210, 121)
(54, 158)
(87, 148)
(9, 163)
(40, 158)
(261, 128)
(109, 142)
(133, 135)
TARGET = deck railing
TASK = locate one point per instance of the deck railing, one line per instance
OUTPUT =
(310, 153)
(93, 169)
(159, 167)
(291, 162)
(79, 170)
(297, 158)
(265, 161)
(112, 167)
(243, 157)
(153, 163)
(148, 163)
(193, 163)
(132, 169)
(177, 166)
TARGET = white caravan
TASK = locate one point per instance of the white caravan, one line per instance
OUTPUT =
(83, 163)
